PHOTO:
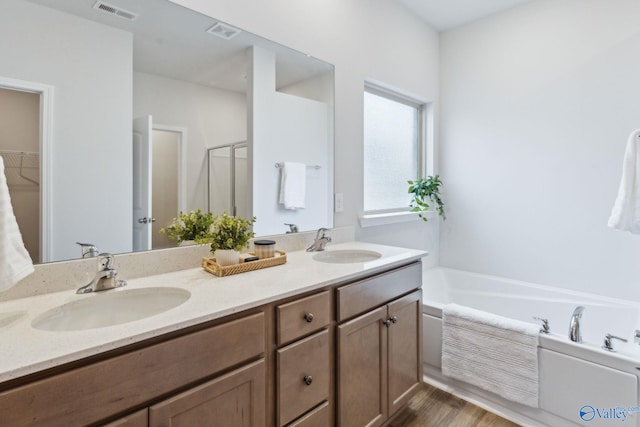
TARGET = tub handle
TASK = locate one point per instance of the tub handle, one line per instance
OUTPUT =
(546, 329)
(608, 342)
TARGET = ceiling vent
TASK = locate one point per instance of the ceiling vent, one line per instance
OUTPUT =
(114, 10)
(224, 31)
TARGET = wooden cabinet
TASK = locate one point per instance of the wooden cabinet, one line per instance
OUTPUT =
(235, 400)
(273, 366)
(379, 352)
(99, 390)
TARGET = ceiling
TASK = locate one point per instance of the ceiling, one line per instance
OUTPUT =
(447, 14)
(172, 41)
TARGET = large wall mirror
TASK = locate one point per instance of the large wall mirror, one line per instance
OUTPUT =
(111, 112)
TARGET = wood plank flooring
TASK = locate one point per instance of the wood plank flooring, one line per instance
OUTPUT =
(433, 407)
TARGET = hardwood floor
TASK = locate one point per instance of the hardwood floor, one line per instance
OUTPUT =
(433, 407)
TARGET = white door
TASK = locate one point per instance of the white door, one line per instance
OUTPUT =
(142, 215)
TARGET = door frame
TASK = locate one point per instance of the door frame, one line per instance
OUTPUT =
(182, 161)
(46, 144)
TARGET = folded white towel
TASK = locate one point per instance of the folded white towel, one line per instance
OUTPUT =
(15, 262)
(492, 352)
(625, 214)
(293, 184)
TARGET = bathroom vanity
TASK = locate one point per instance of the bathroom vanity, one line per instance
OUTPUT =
(340, 347)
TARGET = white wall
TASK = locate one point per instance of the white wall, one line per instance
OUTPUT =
(91, 119)
(375, 39)
(211, 116)
(285, 127)
(537, 104)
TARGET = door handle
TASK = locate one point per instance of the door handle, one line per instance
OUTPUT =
(145, 220)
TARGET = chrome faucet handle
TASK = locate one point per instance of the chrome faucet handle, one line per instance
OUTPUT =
(545, 329)
(106, 260)
(608, 342)
(89, 250)
(293, 228)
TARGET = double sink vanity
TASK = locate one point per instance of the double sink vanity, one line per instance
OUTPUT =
(329, 338)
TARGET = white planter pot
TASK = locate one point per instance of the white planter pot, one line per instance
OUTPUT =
(226, 257)
(186, 243)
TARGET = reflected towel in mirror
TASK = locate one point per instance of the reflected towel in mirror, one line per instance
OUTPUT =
(293, 183)
(15, 262)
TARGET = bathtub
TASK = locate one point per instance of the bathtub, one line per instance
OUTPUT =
(580, 384)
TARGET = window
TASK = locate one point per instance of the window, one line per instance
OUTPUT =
(393, 147)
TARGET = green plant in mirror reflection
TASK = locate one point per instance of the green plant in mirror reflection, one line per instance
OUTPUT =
(194, 226)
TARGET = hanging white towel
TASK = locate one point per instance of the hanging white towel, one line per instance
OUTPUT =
(492, 352)
(15, 262)
(625, 214)
(293, 184)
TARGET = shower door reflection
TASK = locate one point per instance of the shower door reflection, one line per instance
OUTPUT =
(227, 180)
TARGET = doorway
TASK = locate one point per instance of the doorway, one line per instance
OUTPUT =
(20, 150)
(158, 180)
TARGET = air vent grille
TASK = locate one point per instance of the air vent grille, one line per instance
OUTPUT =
(114, 10)
(224, 31)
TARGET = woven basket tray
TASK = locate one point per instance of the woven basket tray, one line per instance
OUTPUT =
(210, 265)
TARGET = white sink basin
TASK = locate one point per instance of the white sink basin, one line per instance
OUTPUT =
(110, 308)
(346, 256)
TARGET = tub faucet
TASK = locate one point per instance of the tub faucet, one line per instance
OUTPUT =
(574, 325)
(105, 278)
(320, 241)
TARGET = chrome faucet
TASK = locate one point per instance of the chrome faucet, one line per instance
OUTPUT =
(105, 278)
(608, 342)
(292, 228)
(89, 250)
(320, 242)
(574, 325)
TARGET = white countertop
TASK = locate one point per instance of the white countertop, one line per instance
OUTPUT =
(26, 350)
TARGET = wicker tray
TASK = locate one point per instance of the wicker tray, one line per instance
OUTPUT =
(210, 265)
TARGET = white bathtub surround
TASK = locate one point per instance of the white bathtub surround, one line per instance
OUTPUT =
(15, 262)
(571, 375)
(492, 352)
(625, 215)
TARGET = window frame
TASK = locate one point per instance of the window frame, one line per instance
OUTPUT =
(424, 120)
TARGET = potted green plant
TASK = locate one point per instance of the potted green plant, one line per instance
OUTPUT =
(423, 191)
(227, 236)
(190, 227)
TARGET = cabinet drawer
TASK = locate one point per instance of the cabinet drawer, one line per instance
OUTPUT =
(134, 378)
(362, 296)
(319, 417)
(303, 316)
(303, 376)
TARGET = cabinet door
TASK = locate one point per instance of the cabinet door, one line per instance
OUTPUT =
(137, 419)
(405, 366)
(233, 400)
(362, 370)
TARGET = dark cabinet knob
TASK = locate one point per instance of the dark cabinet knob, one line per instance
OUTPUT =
(386, 323)
(393, 319)
(308, 317)
(308, 379)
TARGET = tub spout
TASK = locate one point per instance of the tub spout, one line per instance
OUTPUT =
(574, 325)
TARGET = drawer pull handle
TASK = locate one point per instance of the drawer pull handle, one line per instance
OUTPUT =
(308, 317)
(393, 319)
(308, 379)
